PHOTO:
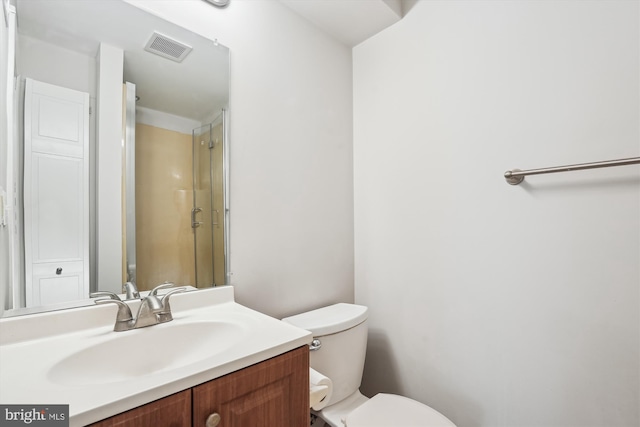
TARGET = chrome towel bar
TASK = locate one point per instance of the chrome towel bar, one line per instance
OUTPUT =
(516, 176)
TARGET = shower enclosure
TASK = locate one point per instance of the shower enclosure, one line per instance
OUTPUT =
(181, 223)
(208, 212)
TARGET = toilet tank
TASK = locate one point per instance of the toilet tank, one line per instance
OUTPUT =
(342, 331)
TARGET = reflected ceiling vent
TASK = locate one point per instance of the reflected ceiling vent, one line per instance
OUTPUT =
(167, 47)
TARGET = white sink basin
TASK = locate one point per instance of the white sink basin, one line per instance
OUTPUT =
(133, 354)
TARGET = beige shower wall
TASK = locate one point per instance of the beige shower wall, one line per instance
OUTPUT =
(164, 198)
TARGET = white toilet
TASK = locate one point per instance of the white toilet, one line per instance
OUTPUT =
(340, 335)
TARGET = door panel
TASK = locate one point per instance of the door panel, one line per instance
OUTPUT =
(273, 393)
(56, 194)
(57, 212)
(209, 212)
(57, 124)
(56, 289)
(202, 207)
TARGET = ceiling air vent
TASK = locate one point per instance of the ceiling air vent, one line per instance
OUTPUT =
(167, 47)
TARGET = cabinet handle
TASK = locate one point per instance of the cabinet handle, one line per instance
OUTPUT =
(213, 420)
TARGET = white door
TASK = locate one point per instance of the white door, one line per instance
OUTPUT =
(56, 194)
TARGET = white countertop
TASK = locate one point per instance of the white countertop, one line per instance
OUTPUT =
(31, 347)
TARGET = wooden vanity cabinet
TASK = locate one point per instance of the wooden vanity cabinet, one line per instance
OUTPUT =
(273, 393)
(171, 411)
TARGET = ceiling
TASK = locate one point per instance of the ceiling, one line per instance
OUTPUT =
(349, 21)
(81, 26)
(195, 87)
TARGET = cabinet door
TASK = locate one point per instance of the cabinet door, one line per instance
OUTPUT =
(273, 393)
(56, 194)
(171, 411)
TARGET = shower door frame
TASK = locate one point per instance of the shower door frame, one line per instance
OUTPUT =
(225, 202)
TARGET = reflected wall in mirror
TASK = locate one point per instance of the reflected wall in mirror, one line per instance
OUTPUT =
(122, 162)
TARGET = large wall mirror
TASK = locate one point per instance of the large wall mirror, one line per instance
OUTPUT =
(161, 196)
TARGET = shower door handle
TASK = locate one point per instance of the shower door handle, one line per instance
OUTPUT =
(215, 222)
(195, 223)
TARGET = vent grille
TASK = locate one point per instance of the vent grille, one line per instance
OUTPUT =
(167, 47)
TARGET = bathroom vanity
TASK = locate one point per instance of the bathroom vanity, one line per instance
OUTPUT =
(271, 393)
(216, 363)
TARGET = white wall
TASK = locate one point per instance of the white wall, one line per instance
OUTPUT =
(501, 305)
(55, 65)
(5, 117)
(291, 153)
(109, 174)
(164, 120)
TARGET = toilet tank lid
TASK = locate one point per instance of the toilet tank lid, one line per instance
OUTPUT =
(329, 320)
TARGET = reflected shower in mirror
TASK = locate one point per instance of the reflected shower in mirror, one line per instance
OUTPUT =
(121, 164)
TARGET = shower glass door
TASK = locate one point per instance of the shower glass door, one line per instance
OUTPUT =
(207, 214)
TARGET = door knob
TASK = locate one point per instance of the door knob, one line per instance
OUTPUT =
(213, 420)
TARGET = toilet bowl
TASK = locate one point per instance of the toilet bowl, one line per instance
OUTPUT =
(338, 352)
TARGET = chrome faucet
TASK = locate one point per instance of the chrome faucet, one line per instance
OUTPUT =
(130, 290)
(153, 309)
(110, 295)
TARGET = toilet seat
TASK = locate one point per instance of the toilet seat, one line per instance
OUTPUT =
(384, 410)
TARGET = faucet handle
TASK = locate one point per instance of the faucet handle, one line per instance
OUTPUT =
(124, 316)
(165, 315)
(165, 285)
(111, 295)
(131, 290)
(165, 297)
